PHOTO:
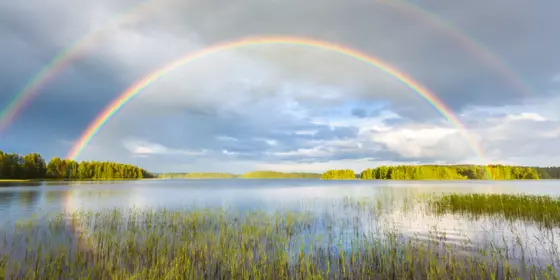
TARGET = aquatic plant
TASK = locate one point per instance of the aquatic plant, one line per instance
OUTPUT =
(351, 242)
(543, 210)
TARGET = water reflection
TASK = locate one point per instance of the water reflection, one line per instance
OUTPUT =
(28, 199)
(20, 184)
(362, 207)
(6, 198)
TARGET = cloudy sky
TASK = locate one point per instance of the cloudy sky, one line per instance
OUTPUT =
(495, 64)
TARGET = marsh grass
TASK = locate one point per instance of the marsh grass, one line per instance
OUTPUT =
(350, 242)
(542, 210)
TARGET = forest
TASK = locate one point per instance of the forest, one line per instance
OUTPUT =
(339, 174)
(447, 172)
(34, 167)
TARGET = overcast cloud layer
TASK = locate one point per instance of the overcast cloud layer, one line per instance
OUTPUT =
(287, 107)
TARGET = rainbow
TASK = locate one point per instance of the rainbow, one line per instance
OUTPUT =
(110, 110)
(62, 60)
(65, 57)
(467, 42)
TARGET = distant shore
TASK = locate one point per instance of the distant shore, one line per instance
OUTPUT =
(249, 175)
(71, 180)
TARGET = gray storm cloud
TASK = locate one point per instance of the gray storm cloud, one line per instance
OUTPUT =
(272, 92)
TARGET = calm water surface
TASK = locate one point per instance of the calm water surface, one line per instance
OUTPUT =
(21, 201)
(41, 199)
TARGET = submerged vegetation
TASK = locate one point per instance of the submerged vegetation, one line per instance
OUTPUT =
(355, 242)
(34, 166)
(543, 210)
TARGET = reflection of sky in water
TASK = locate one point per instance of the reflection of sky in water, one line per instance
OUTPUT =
(54, 197)
(270, 195)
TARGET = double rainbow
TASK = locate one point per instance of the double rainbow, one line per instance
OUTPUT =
(123, 98)
(76, 50)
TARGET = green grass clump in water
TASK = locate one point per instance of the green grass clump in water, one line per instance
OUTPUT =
(218, 244)
(543, 210)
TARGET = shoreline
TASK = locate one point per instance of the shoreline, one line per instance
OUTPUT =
(155, 179)
(67, 180)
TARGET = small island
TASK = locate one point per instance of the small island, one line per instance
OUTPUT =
(197, 175)
(279, 175)
(248, 175)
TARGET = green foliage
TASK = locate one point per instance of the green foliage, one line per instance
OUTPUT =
(198, 175)
(449, 172)
(33, 166)
(342, 174)
(412, 172)
(279, 175)
(548, 172)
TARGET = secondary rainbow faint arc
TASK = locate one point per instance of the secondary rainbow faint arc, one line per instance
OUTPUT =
(63, 59)
(133, 90)
(467, 41)
(8, 114)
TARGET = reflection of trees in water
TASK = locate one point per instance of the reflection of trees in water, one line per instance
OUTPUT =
(84, 183)
(29, 198)
(20, 184)
(6, 198)
(56, 195)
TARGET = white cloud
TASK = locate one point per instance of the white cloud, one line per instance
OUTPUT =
(422, 142)
(527, 116)
(270, 142)
(358, 165)
(143, 148)
(226, 138)
(318, 151)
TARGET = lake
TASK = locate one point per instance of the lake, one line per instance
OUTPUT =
(21, 200)
(24, 201)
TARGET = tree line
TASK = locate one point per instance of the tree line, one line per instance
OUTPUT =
(340, 174)
(548, 172)
(447, 172)
(34, 166)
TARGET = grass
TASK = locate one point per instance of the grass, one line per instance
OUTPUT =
(350, 241)
(542, 210)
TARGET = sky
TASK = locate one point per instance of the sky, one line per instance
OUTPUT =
(287, 107)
